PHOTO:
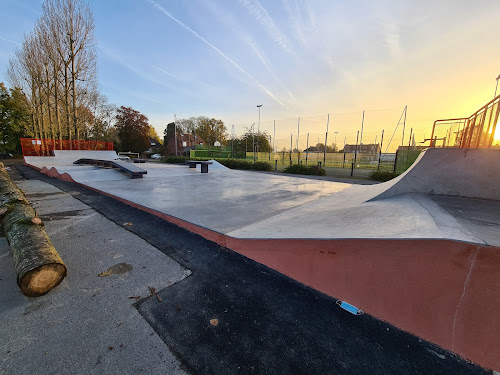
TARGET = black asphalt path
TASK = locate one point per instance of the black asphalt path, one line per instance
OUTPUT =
(267, 322)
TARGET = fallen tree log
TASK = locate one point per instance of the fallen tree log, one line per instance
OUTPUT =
(38, 266)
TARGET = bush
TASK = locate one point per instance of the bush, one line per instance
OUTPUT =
(261, 166)
(175, 159)
(235, 164)
(304, 169)
(382, 176)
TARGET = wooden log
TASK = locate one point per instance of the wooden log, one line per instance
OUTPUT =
(38, 266)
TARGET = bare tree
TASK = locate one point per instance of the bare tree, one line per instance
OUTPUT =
(56, 68)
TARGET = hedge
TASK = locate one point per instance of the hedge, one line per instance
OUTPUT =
(230, 163)
(382, 176)
(304, 169)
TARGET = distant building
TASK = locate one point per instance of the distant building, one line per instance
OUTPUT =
(185, 142)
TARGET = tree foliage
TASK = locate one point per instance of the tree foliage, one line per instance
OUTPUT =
(132, 129)
(250, 142)
(14, 114)
(210, 129)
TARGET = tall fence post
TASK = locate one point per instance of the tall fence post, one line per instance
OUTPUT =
(355, 155)
(380, 151)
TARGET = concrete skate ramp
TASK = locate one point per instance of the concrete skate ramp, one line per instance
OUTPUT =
(67, 157)
(89, 154)
(464, 172)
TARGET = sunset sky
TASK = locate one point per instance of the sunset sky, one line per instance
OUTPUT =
(296, 58)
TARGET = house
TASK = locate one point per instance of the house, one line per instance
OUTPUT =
(185, 142)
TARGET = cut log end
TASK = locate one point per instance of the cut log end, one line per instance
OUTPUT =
(41, 280)
(36, 220)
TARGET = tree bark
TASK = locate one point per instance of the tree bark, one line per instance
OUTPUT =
(38, 266)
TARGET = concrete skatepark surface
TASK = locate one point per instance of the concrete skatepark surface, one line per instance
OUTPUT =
(321, 233)
(267, 323)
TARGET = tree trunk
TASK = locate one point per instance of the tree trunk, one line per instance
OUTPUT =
(66, 92)
(51, 123)
(42, 123)
(56, 100)
(73, 87)
(38, 266)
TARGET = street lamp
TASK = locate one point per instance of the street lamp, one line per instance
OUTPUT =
(258, 130)
(496, 86)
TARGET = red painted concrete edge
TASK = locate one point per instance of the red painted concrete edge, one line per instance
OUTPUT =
(430, 288)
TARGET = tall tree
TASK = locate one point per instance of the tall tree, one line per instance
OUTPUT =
(133, 129)
(153, 134)
(212, 130)
(248, 142)
(14, 116)
(56, 68)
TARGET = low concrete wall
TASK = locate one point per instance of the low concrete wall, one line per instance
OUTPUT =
(465, 172)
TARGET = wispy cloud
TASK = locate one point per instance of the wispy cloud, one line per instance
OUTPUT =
(262, 16)
(180, 23)
(10, 41)
(164, 71)
(123, 62)
(264, 61)
(295, 20)
(390, 31)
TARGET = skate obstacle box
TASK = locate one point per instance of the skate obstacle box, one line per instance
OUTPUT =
(127, 168)
(204, 165)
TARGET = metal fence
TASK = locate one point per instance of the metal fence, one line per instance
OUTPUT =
(45, 147)
(476, 131)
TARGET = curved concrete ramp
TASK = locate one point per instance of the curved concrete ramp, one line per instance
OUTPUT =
(464, 172)
(90, 154)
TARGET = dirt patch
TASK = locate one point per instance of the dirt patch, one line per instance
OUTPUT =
(117, 269)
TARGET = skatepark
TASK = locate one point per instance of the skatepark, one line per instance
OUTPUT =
(419, 252)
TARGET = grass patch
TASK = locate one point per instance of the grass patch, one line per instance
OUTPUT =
(382, 176)
(304, 169)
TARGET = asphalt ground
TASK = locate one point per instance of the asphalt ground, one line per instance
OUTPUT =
(266, 323)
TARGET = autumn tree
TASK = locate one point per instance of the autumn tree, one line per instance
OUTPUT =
(211, 130)
(153, 134)
(132, 129)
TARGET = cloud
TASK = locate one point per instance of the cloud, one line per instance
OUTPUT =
(268, 67)
(10, 41)
(120, 60)
(260, 13)
(180, 23)
(164, 71)
(295, 20)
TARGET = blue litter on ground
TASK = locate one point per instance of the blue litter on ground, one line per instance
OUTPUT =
(348, 307)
